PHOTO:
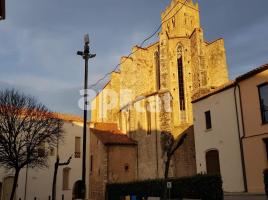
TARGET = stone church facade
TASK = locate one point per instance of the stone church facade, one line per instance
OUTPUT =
(153, 90)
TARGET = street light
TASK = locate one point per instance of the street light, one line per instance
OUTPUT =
(86, 55)
(2, 10)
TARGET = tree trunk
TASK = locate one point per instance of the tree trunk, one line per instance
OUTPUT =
(16, 177)
(166, 176)
(167, 166)
(54, 184)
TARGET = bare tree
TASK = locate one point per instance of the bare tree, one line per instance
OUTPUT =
(56, 166)
(169, 146)
(26, 127)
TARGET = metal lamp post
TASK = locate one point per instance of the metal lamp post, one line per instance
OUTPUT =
(86, 55)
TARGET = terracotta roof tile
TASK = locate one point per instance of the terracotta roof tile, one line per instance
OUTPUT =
(113, 137)
(40, 114)
(105, 126)
(68, 117)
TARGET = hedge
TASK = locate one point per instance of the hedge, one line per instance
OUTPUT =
(265, 177)
(206, 187)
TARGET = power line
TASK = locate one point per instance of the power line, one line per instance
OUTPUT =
(143, 42)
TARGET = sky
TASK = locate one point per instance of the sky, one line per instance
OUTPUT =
(39, 40)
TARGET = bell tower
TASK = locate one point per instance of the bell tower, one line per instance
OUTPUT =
(180, 18)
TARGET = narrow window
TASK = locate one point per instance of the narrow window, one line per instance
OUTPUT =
(208, 120)
(0, 189)
(41, 150)
(66, 178)
(120, 121)
(157, 69)
(265, 140)
(181, 84)
(126, 167)
(173, 22)
(77, 152)
(148, 118)
(263, 95)
(91, 164)
(52, 151)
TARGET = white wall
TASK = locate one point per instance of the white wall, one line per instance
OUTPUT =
(223, 136)
(40, 180)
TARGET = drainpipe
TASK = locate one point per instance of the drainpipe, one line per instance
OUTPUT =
(239, 135)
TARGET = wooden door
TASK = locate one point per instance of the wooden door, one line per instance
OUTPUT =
(7, 187)
(0, 191)
(213, 162)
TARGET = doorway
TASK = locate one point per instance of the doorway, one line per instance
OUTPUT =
(7, 187)
(213, 162)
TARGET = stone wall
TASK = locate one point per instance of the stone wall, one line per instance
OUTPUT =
(98, 176)
(217, 64)
(184, 157)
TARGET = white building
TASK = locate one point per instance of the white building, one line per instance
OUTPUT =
(38, 184)
(217, 140)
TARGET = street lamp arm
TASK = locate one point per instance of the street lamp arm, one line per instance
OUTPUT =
(80, 53)
(92, 55)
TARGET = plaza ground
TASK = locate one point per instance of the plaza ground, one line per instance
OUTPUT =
(245, 197)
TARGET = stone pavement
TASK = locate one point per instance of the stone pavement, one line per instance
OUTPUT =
(230, 197)
(245, 197)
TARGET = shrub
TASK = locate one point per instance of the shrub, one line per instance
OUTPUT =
(206, 187)
(265, 177)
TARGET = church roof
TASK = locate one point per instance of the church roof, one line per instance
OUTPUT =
(112, 137)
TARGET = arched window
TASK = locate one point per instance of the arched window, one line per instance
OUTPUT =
(157, 69)
(66, 178)
(213, 162)
(181, 77)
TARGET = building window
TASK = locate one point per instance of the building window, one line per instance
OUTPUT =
(181, 85)
(148, 118)
(0, 190)
(263, 94)
(208, 120)
(77, 152)
(126, 167)
(41, 151)
(52, 151)
(157, 69)
(91, 164)
(66, 178)
(173, 22)
(265, 140)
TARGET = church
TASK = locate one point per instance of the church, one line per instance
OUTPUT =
(152, 91)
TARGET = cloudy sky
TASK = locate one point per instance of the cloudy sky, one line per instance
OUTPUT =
(39, 40)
